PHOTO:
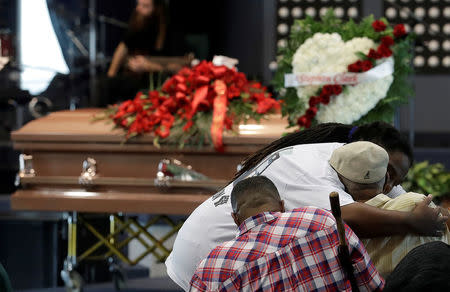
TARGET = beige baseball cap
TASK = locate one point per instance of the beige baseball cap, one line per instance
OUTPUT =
(360, 162)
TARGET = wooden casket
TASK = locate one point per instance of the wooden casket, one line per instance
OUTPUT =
(70, 163)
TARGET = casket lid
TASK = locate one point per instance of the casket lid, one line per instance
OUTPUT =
(78, 127)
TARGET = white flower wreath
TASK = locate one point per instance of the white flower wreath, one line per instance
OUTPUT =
(328, 53)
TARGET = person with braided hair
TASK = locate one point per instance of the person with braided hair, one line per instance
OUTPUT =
(298, 164)
(380, 133)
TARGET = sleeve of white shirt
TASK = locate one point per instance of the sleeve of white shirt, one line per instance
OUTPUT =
(396, 191)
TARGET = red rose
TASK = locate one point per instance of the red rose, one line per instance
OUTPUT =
(384, 51)
(337, 89)
(327, 90)
(373, 54)
(325, 99)
(119, 114)
(387, 41)
(228, 123)
(181, 87)
(179, 78)
(266, 104)
(399, 30)
(169, 85)
(366, 65)
(313, 101)
(218, 71)
(355, 67)
(131, 108)
(378, 25)
(311, 112)
(303, 121)
(202, 79)
(124, 123)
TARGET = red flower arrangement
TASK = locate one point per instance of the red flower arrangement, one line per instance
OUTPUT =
(187, 101)
(399, 30)
(378, 25)
(383, 51)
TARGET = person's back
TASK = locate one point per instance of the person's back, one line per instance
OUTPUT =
(293, 251)
(281, 251)
(212, 222)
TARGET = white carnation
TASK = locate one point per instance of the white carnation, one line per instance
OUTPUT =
(328, 53)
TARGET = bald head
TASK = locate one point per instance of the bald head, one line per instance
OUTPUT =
(254, 195)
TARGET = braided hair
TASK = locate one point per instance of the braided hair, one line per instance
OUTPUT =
(380, 133)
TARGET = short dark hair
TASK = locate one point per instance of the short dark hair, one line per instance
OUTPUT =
(256, 191)
(386, 136)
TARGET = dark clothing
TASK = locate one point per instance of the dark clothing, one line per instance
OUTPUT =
(142, 41)
(139, 41)
(425, 268)
(120, 88)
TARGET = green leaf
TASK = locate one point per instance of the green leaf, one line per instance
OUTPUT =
(362, 56)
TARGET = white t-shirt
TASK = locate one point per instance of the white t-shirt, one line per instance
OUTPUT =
(303, 177)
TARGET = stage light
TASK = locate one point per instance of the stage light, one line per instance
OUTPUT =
(419, 61)
(323, 11)
(311, 11)
(419, 12)
(433, 61)
(433, 45)
(407, 28)
(283, 28)
(352, 12)
(434, 12)
(446, 45)
(446, 12)
(296, 12)
(282, 43)
(391, 12)
(446, 28)
(283, 12)
(446, 61)
(405, 12)
(419, 29)
(339, 12)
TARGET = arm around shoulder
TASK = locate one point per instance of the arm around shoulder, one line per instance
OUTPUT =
(368, 221)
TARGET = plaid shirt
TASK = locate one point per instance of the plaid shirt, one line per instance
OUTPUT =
(292, 251)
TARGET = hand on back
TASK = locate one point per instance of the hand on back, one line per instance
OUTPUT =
(426, 220)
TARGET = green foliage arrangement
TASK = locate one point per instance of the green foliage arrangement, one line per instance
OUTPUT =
(426, 178)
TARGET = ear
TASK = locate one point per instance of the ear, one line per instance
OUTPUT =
(282, 206)
(235, 218)
(387, 184)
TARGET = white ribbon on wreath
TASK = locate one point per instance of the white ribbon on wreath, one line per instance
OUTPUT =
(325, 57)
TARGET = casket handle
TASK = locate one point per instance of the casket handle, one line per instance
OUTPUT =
(89, 172)
(173, 173)
(26, 169)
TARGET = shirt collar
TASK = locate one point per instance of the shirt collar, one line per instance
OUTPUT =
(256, 220)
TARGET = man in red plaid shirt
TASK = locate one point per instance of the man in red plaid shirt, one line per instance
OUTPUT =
(282, 251)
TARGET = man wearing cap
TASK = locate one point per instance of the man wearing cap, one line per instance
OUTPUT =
(303, 176)
(282, 251)
(362, 169)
